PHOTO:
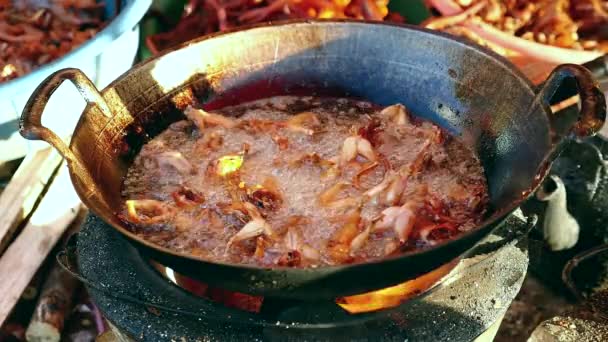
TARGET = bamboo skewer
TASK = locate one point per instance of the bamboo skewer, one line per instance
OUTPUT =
(21, 194)
(57, 209)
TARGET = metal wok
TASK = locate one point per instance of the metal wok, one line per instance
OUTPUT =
(468, 90)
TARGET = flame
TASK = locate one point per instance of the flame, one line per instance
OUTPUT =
(229, 164)
(395, 295)
(131, 208)
(227, 298)
(8, 70)
(372, 301)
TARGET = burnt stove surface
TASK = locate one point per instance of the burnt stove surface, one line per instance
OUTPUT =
(147, 307)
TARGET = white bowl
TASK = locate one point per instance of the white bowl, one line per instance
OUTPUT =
(103, 58)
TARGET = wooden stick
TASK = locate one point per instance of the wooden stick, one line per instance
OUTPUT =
(22, 311)
(53, 306)
(55, 301)
(56, 211)
(23, 191)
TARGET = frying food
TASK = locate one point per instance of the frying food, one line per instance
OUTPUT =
(203, 17)
(303, 182)
(571, 24)
(36, 32)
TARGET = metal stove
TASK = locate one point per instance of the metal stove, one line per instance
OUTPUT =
(143, 306)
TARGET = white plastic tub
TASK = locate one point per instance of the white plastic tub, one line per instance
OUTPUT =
(103, 58)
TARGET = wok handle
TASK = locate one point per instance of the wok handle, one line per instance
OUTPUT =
(593, 104)
(30, 124)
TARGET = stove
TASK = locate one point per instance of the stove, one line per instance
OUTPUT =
(141, 305)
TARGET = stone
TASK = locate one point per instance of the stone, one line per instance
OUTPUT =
(569, 329)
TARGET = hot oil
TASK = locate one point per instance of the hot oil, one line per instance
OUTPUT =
(300, 184)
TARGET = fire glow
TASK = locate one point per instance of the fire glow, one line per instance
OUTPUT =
(367, 302)
(395, 295)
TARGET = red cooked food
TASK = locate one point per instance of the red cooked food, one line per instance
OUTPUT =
(203, 17)
(36, 32)
(303, 182)
(571, 24)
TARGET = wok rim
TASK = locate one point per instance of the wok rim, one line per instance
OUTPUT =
(487, 226)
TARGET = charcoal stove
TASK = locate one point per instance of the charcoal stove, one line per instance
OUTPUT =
(141, 305)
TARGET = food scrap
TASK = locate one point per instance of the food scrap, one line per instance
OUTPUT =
(570, 24)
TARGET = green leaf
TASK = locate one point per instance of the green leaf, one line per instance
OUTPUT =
(414, 11)
(147, 27)
(171, 9)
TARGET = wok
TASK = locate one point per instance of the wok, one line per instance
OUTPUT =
(470, 91)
